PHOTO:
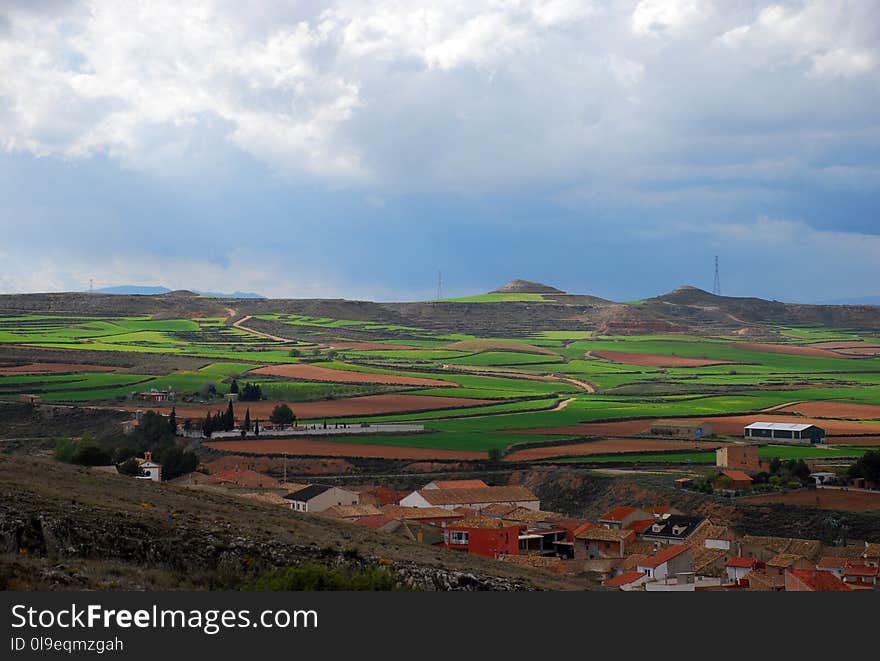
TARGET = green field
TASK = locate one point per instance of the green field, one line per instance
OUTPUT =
(753, 382)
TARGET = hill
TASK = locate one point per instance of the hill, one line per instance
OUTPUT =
(526, 287)
(56, 520)
(146, 290)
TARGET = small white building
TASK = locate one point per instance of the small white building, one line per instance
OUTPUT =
(319, 497)
(150, 470)
(785, 432)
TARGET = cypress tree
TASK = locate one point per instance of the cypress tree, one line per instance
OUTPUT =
(172, 421)
(229, 421)
(247, 420)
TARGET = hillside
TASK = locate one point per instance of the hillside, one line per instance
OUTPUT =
(57, 520)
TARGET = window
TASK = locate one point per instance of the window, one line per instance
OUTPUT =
(458, 537)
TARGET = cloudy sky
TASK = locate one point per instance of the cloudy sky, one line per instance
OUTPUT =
(355, 148)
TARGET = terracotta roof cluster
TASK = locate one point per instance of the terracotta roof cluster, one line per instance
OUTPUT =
(618, 514)
(534, 561)
(459, 484)
(806, 548)
(624, 579)
(605, 534)
(832, 562)
(819, 581)
(504, 494)
(664, 556)
(640, 526)
(351, 511)
(245, 478)
(479, 522)
(374, 522)
(737, 476)
(416, 513)
(707, 562)
(784, 560)
(742, 563)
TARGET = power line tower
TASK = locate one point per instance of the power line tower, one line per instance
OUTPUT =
(91, 285)
(439, 285)
(716, 287)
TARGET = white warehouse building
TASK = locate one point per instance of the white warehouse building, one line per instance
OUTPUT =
(785, 432)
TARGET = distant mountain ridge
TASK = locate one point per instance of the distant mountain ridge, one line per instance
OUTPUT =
(147, 290)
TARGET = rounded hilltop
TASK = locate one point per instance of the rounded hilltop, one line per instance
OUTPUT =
(526, 287)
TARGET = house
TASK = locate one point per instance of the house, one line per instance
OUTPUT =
(483, 535)
(154, 395)
(456, 484)
(351, 512)
(738, 457)
(768, 548)
(693, 429)
(785, 432)
(823, 477)
(626, 581)
(245, 478)
(378, 496)
(674, 529)
(437, 516)
(738, 480)
(833, 564)
(30, 399)
(149, 469)
(859, 575)
(737, 568)
(621, 517)
(813, 580)
(603, 543)
(319, 497)
(670, 562)
(473, 498)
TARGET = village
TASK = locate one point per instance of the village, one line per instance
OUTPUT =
(629, 548)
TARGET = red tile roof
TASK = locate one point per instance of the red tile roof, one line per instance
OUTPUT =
(664, 556)
(853, 569)
(624, 579)
(460, 484)
(618, 513)
(743, 563)
(374, 522)
(831, 562)
(819, 581)
(737, 476)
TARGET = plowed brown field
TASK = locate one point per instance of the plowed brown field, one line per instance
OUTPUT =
(836, 410)
(51, 368)
(333, 408)
(608, 446)
(656, 360)
(308, 447)
(825, 499)
(725, 426)
(315, 373)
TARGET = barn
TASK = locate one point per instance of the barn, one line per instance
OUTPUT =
(785, 432)
(682, 428)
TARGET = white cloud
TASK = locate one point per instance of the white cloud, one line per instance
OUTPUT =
(664, 17)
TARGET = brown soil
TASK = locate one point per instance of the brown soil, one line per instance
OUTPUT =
(311, 447)
(608, 446)
(725, 426)
(836, 410)
(295, 466)
(51, 368)
(655, 360)
(789, 349)
(369, 346)
(332, 408)
(497, 345)
(825, 499)
(315, 373)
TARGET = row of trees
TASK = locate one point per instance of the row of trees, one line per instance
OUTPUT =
(249, 392)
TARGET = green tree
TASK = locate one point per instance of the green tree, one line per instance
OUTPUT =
(129, 467)
(89, 453)
(247, 420)
(234, 387)
(172, 421)
(294, 353)
(282, 414)
(229, 418)
(176, 462)
(868, 467)
(496, 455)
(64, 450)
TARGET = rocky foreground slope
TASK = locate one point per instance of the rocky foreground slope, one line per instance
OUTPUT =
(68, 527)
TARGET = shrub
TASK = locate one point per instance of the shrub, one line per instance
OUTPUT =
(314, 578)
(282, 415)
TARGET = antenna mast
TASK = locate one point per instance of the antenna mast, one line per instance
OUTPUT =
(91, 285)
(716, 287)
(439, 285)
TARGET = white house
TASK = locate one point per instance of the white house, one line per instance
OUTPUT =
(319, 497)
(671, 561)
(475, 498)
(150, 470)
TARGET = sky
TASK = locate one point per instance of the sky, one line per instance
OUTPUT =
(357, 148)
